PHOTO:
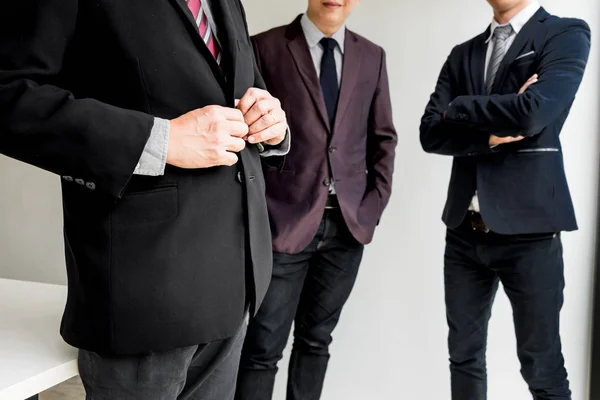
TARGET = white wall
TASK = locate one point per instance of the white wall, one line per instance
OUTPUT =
(391, 342)
(31, 242)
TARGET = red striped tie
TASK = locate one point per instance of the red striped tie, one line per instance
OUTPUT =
(205, 32)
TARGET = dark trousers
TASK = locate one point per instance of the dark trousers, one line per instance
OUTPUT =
(308, 289)
(530, 268)
(205, 372)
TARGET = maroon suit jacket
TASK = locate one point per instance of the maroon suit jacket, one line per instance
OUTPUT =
(360, 147)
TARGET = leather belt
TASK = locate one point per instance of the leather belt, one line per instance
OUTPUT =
(332, 202)
(477, 222)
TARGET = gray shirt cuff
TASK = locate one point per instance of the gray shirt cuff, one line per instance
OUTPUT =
(281, 149)
(154, 158)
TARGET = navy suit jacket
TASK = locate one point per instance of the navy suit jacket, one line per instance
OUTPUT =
(521, 186)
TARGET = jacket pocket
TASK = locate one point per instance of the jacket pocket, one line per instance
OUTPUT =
(528, 54)
(146, 206)
(540, 150)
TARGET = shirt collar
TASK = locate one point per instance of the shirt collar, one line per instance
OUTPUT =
(314, 35)
(518, 21)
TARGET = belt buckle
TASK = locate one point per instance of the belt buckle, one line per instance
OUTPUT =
(477, 223)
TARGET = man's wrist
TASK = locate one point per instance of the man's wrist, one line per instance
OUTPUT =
(154, 157)
(280, 149)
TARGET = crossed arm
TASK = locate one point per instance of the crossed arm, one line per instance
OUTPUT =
(467, 125)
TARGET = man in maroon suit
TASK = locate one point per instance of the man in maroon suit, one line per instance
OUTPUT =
(325, 197)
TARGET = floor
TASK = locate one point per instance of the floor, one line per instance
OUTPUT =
(70, 390)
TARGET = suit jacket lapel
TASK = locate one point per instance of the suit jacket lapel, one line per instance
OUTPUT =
(298, 47)
(523, 38)
(186, 14)
(477, 59)
(350, 74)
(188, 19)
(227, 30)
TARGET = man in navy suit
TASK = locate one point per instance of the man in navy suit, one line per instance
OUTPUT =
(498, 108)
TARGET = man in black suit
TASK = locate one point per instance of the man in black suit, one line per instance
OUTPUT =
(166, 230)
(498, 108)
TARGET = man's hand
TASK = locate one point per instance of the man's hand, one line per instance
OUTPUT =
(206, 137)
(495, 140)
(264, 116)
(530, 81)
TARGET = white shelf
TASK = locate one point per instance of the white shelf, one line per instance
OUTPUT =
(33, 356)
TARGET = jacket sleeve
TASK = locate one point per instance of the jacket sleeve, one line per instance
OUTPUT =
(43, 124)
(382, 138)
(442, 136)
(563, 61)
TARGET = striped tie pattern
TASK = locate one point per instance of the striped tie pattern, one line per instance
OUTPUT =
(500, 40)
(206, 33)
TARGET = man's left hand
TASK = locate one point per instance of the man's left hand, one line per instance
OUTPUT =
(264, 116)
(533, 79)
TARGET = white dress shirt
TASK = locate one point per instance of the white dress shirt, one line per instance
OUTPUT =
(517, 23)
(313, 36)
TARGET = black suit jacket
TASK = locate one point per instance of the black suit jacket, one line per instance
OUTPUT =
(154, 263)
(521, 186)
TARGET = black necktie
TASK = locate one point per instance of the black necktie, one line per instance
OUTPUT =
(329, 78)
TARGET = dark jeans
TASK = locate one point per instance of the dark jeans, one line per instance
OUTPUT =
(530, 268)
(205, 372)
(308, 289)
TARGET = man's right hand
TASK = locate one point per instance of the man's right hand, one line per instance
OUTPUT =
(496, 140)
(206, 137)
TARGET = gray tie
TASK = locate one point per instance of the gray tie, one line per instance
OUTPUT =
(501, 34)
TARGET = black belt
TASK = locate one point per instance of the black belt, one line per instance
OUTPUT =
(332, 202)
(477, 224)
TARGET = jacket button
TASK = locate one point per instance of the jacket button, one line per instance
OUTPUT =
(68, 178)
(332, 149)
(239, 177)
(80, 181)
(90, 185)
(327, 182)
